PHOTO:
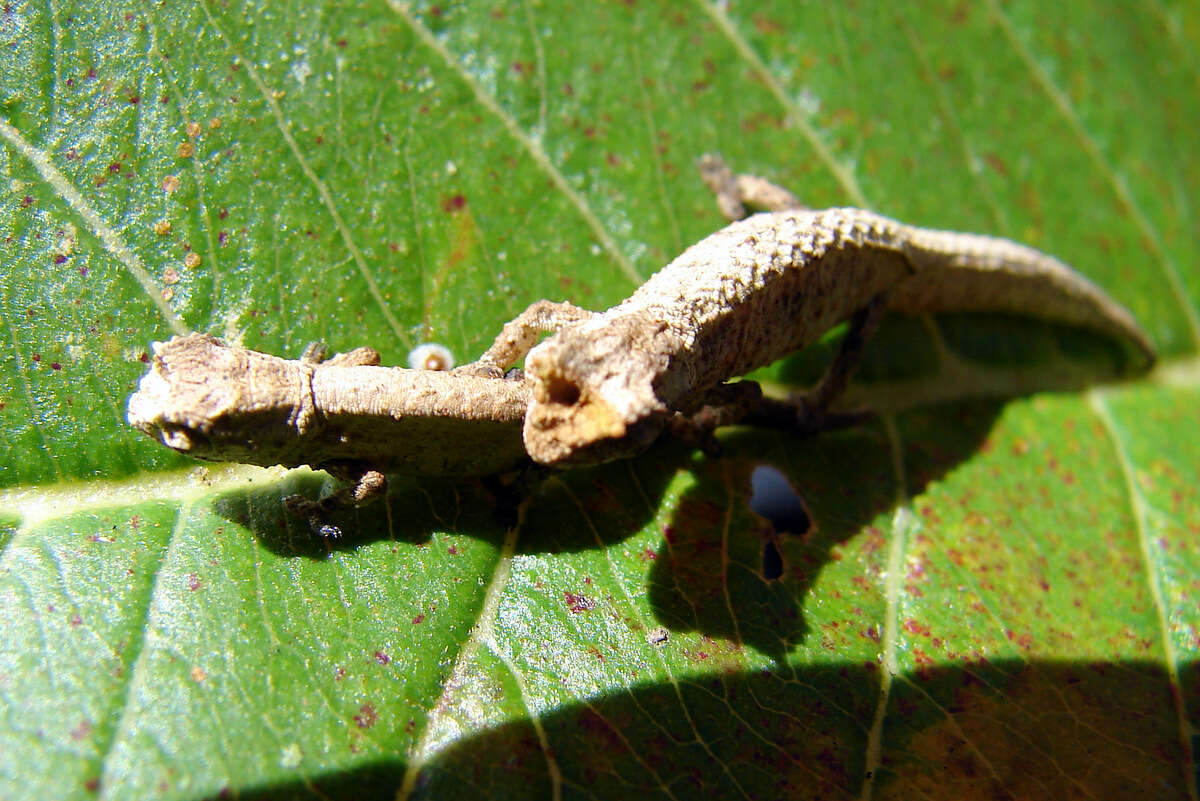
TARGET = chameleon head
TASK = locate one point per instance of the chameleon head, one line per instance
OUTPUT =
(594, 397)
(214, 402)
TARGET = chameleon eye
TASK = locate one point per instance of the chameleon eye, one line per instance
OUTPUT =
(181, 439)
(430, 356)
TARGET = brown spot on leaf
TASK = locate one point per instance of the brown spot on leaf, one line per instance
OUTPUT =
(366, 717)
(578, 603)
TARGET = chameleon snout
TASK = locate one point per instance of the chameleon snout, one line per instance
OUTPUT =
(150, 411)
(583, 410)
(565, 415)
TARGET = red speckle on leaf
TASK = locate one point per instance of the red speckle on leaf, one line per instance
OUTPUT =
(144, 358)
(578, 603)
(452, 550)
(382, 658)
(91, 73)
(916, 627)
(114, 167)
(366, 717)
(135, 99)
(55, 366)
(82, 730)
(222, 237)
(135, 522)
(454, 203)
(339, 673)
(222, 214)
(76, 620)
(26, 202)
(418, 620)
(193, 582)
(648, 555)
(1023, 641)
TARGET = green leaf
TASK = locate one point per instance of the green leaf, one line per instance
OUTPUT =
(990, 598)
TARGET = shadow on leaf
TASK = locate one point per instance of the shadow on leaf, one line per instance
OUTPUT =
(978, 730)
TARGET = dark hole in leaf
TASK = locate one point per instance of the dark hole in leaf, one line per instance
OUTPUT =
(772, 560)
(772, 497)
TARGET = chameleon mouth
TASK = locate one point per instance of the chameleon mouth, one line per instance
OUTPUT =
(562, 391)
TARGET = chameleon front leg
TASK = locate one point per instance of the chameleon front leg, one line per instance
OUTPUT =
(369, 485)
(743, 401)
(810, 413)
(738, 193)
(724, 405)
(521, 333)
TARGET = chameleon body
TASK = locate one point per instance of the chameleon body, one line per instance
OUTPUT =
(761, 288)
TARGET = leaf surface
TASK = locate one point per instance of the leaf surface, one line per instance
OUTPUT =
(988, 598)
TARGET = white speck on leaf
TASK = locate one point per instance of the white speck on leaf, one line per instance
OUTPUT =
(290, 756)
(301, 71)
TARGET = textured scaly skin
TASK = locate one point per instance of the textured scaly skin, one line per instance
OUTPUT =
(761, 288)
